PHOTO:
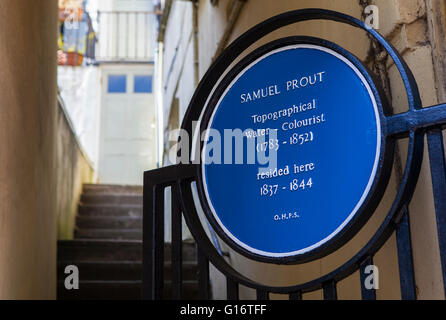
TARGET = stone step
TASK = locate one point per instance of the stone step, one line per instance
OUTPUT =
(111, 199)
(120, 270)
(99, 250)
(111, 189)
(107, 248)
(118, 290)
(115, 234)
(100, 222)
(110, 210)
(112, 250)
(101, 290)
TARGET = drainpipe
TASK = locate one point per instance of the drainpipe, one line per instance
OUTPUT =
(195, 31)
(436, 25)
(164, 19)
(233, 18)
(159, 103)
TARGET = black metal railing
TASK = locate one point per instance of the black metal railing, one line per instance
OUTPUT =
(180, 178)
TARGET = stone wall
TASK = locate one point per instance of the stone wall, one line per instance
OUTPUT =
(408, 25)
(417, 29)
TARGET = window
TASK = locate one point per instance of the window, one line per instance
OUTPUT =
(142, 84)
(117, 83)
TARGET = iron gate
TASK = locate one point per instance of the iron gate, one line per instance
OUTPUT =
(414, 124)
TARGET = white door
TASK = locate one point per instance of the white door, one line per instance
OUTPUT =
(127, 134)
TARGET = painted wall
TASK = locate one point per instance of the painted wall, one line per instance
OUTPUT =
(42, 166)
(408, 25)
(28, 115)
(80, 89)
(178, 61)
(73, 168)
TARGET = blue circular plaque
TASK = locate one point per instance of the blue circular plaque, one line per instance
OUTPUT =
(292, 151)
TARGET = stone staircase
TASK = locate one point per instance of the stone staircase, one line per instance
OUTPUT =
(107, 248)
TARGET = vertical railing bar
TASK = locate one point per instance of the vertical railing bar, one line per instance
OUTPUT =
(296, 296)
(127, 32)
(366, 293)
(159, 244)
(176, 256)
(438, 173)
(203, 275)
(330, 292)
(405, 258)
(117, 34)
(146, 38)
(109, 37)
(232, 289)
(262, 295)
(148, 239)
(136, 35)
